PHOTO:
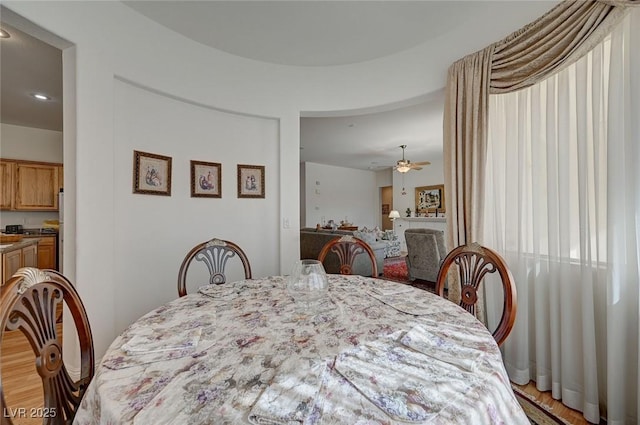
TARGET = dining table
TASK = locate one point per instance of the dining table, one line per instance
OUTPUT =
(371, 351)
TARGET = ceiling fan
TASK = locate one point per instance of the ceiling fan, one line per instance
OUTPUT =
(404, 165)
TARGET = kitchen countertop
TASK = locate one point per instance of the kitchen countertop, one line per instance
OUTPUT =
(17, 245)
(39, 232)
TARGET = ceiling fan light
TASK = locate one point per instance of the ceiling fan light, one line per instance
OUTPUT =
(403, 168)
(41, 96)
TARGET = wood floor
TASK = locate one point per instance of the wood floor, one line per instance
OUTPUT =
(559, 409)
(23, 387)
(21, 383)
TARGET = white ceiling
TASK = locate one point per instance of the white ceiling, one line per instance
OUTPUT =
(30, 66)
(309, 33)
(292, 33)
(372, 141)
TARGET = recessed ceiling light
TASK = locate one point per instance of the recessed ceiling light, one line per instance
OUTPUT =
(4, 34)
(41, 96)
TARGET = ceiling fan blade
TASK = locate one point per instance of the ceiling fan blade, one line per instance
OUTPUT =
(403, 165)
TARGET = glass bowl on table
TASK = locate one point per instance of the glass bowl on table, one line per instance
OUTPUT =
(308, 283)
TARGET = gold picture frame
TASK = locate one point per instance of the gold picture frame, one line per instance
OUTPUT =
(206, 179)
(251, 181)
(430, 198)
(151, 173)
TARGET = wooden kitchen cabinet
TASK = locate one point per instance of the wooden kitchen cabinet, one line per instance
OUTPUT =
(6, 184)
(30, 185)
(23, 255)
(47, 252)
(11, 262)
(30, 255)
(36, 187)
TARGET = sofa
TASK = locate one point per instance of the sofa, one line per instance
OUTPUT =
(312, 240)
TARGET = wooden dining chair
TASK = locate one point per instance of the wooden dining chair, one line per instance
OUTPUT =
(474, 262)
(214, 254)
(28, 302)
(347, 248)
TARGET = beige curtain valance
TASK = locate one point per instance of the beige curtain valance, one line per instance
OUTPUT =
(620, 2)
(540, 49)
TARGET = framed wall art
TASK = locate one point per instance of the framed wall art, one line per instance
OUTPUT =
(430, 198)
(151, 174)
(250, 181)
(206, 179)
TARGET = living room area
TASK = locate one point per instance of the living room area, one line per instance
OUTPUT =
(356, 186)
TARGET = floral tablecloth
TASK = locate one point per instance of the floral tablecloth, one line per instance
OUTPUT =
(373, 352)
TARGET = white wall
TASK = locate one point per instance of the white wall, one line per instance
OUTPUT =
(31, 144)
(303, 195)
(355, 193)
(149, 55)
(155, 230)
(338, 193)
(429, 175)
(384, 178)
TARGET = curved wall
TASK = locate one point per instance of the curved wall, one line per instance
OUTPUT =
(139, 85)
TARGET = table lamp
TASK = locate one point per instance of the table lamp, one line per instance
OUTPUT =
(394, 214)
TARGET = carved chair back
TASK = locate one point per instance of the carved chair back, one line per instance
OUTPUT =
(473, 262)
(215, 254)
(347, 248)
(28, 302)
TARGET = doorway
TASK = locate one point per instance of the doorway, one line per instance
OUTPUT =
(386, 205)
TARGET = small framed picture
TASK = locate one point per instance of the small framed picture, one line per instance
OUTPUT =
(430, 197)
(250, 181)
(151, 174)
(206, 179)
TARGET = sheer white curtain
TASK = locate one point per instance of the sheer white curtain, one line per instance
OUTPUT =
(563, 206)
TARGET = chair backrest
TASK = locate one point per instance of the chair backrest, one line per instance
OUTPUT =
(425, 252)
(28, 302)
(474, 262)
(214, 254)
(347, 248)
